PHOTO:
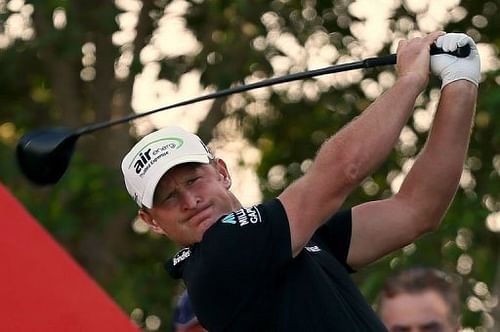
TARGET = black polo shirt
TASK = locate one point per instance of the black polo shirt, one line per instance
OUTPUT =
(242, 276)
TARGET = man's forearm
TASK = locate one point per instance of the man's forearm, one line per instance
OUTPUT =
(366, 142)
(433, 179)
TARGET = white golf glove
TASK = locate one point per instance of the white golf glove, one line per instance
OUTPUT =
(451, 68)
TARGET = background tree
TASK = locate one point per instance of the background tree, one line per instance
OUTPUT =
(73, 62)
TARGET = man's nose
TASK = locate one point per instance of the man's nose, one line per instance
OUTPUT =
(189, 199)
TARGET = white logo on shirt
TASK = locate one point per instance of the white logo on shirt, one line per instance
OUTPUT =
(243, 217)
(181, 255)
(313, 249)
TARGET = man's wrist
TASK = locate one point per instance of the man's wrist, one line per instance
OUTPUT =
(412, 82)
(460, 77)
(462, 85)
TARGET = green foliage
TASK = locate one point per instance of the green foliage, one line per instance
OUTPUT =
(89, 212)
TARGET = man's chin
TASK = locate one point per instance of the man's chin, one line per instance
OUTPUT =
(205, 224)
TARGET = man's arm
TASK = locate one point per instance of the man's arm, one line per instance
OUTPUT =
(357, 149)
(382, 226)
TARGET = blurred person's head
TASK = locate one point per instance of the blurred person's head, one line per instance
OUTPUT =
(419, 300)
(184, 319)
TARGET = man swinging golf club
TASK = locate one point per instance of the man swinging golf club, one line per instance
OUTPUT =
(284, 265)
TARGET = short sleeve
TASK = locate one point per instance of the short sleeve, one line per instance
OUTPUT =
(335, 234)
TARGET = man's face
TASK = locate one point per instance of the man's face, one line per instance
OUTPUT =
(189, 199)
(421, 312)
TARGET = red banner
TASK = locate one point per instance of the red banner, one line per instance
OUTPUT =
(41, 287)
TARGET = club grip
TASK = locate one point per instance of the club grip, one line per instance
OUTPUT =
(460, 52)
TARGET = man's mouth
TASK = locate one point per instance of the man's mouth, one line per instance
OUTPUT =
(200, 216)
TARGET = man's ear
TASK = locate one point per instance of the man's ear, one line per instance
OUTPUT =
(148, 219)
(224, 173)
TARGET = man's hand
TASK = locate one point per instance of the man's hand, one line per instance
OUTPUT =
(414, 57)
(450, 68)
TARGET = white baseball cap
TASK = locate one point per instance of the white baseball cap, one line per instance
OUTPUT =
(154, 155)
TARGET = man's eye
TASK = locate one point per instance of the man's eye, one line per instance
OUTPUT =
(192, 180)
(169, 197)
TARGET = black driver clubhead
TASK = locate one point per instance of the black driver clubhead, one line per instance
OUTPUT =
(44, 155)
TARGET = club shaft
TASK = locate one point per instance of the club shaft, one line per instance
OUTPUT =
(229, 91)
(367, 63)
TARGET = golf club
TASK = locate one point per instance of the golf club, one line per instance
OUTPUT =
(43, 155)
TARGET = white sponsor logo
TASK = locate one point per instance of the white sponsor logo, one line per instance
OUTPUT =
(313, 249)
(243, 217)
(181, 255)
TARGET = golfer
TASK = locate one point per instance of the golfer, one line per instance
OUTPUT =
(285, 264)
